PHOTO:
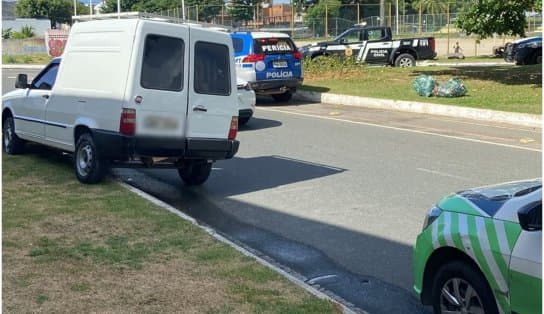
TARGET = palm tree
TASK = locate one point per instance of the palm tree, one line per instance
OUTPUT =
(430, 6)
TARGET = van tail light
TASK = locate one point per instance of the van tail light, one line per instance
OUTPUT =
(432, 44)
(127, 126)
(233, 128)
(297, 55)
(253, 58)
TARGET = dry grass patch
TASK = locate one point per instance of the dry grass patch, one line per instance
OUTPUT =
(71, 248)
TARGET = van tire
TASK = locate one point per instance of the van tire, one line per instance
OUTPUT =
(89, 166)
(195, 172)
(466, 275)
(11, 143)
(284, 97)
(405, 60)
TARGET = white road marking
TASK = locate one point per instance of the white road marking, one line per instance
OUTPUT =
(489, 125)
(443, 174)
(405, 130)
(11, 77)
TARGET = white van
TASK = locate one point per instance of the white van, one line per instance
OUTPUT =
(131, 92)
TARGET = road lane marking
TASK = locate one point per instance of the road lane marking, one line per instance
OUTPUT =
(488, 125)
(402, 129)
(442, 174)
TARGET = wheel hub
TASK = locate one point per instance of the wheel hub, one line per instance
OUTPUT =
(458, 296)
(84, 159)
(8, 137)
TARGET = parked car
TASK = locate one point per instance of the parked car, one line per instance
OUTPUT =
(246, 101)
(480, 251)
(524, 51)
(128, 91)
(374, 45)
(270, 62)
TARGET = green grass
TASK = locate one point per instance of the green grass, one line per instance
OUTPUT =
(505, 88)
(26, 59)
(99, 248)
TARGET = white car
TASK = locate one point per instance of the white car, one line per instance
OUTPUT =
(246, 101)
(129, 93)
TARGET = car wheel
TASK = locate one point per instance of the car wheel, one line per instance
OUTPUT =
(195, 172)
(12, 144)
(537, 58)
(405, 60)
(88, 165)
(459, 288)
(243, 121)
(283, 97)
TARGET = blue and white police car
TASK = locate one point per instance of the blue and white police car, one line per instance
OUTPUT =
(269, 62)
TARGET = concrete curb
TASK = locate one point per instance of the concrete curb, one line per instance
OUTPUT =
(523, 119)
(24, 66)
(297, 281)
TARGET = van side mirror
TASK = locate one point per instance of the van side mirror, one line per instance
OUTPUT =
(22, 81)
(530, 216)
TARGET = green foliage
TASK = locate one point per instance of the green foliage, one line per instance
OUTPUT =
(58, 11)
(430, 6)
(488, 17)
(240, 10)
(27, 31)
(207, 9)
(315, 15)
(7, 33)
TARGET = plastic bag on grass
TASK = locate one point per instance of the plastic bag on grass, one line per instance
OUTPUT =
(452, 88)
(424, 85)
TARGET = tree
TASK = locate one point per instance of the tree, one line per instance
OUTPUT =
(58, 11)
(241, 10)
(503, 17)
(315, 15)
(430, 6)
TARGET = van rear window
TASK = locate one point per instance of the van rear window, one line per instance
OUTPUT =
(162, 66)
(273, 45)
(212, 69)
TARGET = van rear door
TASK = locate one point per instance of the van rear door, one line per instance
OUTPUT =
(212, 85)
(159, 92)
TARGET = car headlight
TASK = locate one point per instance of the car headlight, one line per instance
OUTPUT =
(432, 215)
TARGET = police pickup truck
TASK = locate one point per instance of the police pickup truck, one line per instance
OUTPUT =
(374, 45)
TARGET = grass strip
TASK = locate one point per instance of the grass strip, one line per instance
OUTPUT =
(26, 59)
(69, 247)
(504, 88)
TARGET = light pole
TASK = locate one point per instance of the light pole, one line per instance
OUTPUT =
(183, 10)
(397, 17)
(75, 7)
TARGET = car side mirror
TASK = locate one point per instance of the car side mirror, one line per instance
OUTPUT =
(22, 81)
(343, 40)
(530, 216)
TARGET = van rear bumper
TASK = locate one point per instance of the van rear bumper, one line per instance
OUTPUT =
(270, 87)
(115, 146)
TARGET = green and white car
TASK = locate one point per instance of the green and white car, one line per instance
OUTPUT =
(480, 251)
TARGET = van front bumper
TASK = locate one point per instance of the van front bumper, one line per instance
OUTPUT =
(271, 87)
(115, 146)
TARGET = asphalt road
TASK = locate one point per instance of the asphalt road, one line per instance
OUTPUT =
(339, 194)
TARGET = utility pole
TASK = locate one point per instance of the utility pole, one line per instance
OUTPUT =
(382, 12)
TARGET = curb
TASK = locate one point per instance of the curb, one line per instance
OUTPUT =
(522, 119)
(292, 278)
(24, 66)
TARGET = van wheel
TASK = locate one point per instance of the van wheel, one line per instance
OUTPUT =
(405, 60)
(89, 167)
(12, 144)
(283, 97)
(195, 172)
(459, 288)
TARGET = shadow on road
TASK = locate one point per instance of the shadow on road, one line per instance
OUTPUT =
(259, 124)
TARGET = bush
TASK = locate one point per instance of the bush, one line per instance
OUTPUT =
(9, 59)
(7, 33)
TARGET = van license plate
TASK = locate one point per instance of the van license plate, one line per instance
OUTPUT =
(280, 64)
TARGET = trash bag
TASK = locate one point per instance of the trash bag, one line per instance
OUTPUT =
(424, 85)
(452, 88)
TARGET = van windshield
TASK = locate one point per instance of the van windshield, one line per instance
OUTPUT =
(273, 45)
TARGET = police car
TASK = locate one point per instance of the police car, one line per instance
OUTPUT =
(270, 62)
(481, 251)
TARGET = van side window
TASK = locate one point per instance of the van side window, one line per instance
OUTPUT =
(47, 79)
(212, 70)
(162, 65)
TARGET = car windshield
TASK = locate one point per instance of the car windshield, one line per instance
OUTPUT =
(274, 45)
(491, 198)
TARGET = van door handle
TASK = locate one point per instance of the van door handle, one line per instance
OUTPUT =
(200, 108)
(45, 96)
